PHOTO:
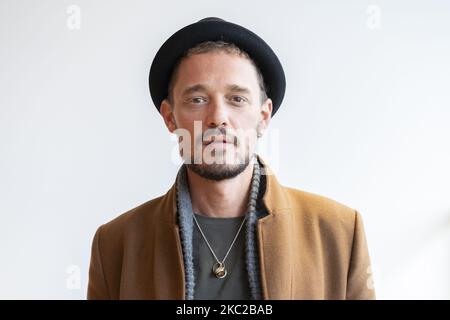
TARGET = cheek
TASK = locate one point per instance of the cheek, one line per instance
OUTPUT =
(248, 126)
(247, 138)
(192, 131)
(186, 118)
(243, 120)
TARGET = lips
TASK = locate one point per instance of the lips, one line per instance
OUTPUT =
(216, 139)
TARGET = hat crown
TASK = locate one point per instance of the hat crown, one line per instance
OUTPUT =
(211, 19)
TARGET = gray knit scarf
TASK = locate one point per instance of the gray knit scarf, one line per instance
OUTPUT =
(185, 221)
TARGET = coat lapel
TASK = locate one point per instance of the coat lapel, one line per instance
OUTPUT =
(275, 241)
(168, 256)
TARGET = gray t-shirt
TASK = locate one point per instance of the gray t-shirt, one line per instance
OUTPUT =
(220, 233)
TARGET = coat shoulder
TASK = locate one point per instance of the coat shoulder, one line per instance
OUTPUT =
(133, 219)
(321, 208)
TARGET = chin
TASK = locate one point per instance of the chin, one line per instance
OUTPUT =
(217, 171)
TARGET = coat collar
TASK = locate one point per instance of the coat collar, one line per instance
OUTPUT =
(274, 198)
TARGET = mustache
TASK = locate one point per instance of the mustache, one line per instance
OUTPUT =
(219, 132)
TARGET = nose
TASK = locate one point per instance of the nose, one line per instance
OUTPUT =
(217, 114)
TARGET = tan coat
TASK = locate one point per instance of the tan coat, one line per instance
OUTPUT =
(310, 247)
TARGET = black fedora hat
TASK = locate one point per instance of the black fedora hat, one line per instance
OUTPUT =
(215, 29)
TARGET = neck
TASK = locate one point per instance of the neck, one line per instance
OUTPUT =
(227, 198)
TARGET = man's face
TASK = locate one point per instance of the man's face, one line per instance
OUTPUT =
(217, 100)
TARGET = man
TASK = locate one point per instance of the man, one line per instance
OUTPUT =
(227, 229)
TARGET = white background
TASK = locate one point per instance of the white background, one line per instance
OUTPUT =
(365, 121)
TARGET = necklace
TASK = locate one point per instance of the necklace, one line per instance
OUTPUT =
(218, 268)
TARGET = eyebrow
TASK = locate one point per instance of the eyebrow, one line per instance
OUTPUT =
(194, 88)
(203, 88)
(236, 88)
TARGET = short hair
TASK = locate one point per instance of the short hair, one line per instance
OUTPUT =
(216, 46)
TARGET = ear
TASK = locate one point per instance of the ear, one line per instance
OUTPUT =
(266, 114)
(166, 111)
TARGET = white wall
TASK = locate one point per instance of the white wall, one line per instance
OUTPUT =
(364, 121)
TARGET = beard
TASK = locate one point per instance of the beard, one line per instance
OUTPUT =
(220, 169)
(219, 172)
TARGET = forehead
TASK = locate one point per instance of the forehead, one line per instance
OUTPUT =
(216, 69)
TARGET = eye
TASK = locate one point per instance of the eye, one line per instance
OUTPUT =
(197, 100)
(238, 99)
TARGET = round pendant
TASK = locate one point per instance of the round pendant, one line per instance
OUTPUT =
(219, 270)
